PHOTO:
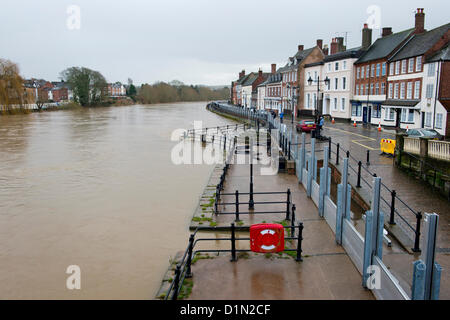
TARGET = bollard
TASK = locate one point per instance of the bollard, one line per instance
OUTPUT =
(299, 242)
(237, 205)
(348, 154)
(358, 185)
(368, 158)
(176, 282)
(293, 221)
(417, 239)
(233, 243)
(392, 219)
(189, 257)
(288, 205)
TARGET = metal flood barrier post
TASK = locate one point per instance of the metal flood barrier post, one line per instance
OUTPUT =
(344, 197)
(373, 239)
(301, 158)
(427, 273)
(325, 181)
(311, 161)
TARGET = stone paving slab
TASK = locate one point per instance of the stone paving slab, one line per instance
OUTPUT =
(275, 277)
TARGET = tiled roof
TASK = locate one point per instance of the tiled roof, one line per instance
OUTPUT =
(243, 79)
(421, 43)
(443, 54)
(299, 56)
(250, 79)
(350, 53)
(445, 103)
(384, 46)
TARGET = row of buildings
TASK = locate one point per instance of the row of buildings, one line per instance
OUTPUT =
(400, 80)
(39, 90)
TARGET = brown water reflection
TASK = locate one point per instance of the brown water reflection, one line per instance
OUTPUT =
(94, 188)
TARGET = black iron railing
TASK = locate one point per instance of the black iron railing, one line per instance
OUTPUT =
(183, 268)
(389, 198)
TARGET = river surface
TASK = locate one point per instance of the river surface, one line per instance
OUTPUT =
(95, 188)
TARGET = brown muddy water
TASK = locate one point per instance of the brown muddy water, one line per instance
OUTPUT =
(95, 188)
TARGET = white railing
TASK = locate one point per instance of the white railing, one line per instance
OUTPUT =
(439, 150)
(412, 145)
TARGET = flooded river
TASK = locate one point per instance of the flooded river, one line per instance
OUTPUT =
(95, 188)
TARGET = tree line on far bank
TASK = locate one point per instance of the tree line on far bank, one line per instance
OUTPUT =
(89, 88)
(176, 91)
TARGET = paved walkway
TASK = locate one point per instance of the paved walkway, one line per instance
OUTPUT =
(326, 272)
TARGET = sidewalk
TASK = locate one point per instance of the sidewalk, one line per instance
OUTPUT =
(325, 273)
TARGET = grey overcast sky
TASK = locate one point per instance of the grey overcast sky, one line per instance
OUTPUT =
(194, 41)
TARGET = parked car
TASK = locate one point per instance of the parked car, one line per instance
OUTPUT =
(425, 133)
(306, 126)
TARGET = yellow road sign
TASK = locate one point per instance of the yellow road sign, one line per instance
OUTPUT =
(387, 146)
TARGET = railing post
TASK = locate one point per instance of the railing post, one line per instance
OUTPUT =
(288, 205)
(329, 147)
(299, 242)
(293, 221)
(176, 282)
(392, 218)
(251, 203)
(337, 154)
(237, 205)
(189, 257)
(216, 209)
(233, 243)
(289, 151)
(417, 239)
(358, 185)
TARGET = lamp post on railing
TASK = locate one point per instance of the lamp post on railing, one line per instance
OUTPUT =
(318, 81)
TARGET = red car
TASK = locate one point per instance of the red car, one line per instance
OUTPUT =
(306, 126)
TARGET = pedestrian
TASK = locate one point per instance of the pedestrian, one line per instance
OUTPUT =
(321, 122)
(281, 116)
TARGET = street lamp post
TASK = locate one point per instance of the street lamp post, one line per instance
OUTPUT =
(293, 96)
(318, 81)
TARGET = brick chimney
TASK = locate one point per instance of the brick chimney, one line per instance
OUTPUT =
(259, 73)
(242, 74)
(386, 31)
(340, 41)
(420, 21)
(334, 46)
(274, 68)
(319, 43)
(366, 37)
(300, 47)
(325, 49)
